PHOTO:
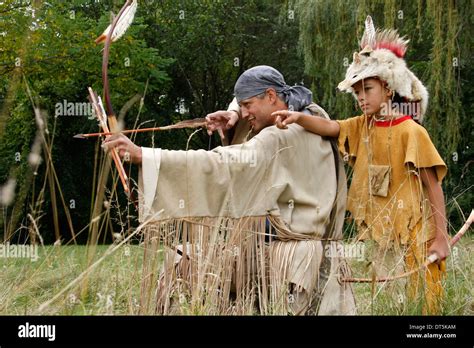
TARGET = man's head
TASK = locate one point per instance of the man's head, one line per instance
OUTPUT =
(257, 110)
(262, 90)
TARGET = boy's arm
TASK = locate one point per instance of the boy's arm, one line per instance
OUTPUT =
(318, 125)
(440, 245)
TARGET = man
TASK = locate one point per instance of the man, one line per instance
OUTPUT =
(251, 227)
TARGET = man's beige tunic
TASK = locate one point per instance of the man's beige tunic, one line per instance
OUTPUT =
(285, 178)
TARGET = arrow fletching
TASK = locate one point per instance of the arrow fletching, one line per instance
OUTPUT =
(123, 23)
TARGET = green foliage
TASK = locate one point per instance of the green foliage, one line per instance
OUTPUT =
(51, 47)
(212, 43)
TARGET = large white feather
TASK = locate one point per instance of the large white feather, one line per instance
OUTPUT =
(123, 23)
(369, 34)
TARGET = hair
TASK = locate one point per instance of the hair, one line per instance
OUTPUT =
(397, 98)
(280, 96)
(413, 107)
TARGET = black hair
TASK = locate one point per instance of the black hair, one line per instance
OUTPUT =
(413, 107)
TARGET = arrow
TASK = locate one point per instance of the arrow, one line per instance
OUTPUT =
(194, 123)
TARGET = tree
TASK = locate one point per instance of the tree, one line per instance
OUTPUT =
(49, 47)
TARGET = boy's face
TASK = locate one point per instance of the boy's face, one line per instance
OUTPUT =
(371, 95)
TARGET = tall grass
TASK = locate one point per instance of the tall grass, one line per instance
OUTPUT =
(114, 285)
(385, 299)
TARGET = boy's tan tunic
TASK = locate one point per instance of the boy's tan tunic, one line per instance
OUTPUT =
(283, 178)
(386, 197)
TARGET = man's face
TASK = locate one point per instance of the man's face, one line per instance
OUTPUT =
(257, 111)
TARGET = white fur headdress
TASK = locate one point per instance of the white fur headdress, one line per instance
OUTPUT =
(382, 56)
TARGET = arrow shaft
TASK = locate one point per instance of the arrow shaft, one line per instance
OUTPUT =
(185, 124)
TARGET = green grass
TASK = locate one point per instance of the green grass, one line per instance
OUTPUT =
(113, 287)
(458, 287)
(110, 288)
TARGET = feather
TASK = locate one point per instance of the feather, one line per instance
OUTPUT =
(103, 115)
(369, 34)
(194, 123)
(123, 22)
(387, 39)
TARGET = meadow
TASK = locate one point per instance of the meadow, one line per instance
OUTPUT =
(72, 282)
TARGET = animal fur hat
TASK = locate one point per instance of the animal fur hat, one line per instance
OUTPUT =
(382, 56)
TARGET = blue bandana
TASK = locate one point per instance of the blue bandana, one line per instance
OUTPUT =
(258, 79)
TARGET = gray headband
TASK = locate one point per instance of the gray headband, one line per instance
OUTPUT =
(258, 79)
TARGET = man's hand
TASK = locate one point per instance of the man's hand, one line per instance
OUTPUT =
(127, 150)
(221, 121)
(286, 117)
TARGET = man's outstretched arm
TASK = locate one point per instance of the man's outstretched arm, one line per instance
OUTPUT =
(199, 182)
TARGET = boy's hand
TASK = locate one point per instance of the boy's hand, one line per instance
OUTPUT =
(440, 247)
(285, 117)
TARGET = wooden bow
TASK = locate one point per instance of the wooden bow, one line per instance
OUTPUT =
(114, 31)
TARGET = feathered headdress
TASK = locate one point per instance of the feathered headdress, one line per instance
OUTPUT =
(382, 56)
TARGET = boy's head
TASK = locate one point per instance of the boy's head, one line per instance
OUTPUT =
(372, 95)
(382, 57)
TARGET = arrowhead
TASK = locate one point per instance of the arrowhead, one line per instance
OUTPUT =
(79, 136)
(100, 39)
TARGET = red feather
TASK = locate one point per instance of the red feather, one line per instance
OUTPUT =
(398, 50)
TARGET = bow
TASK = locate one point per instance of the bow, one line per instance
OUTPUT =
(431, 259)
(113, 32)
